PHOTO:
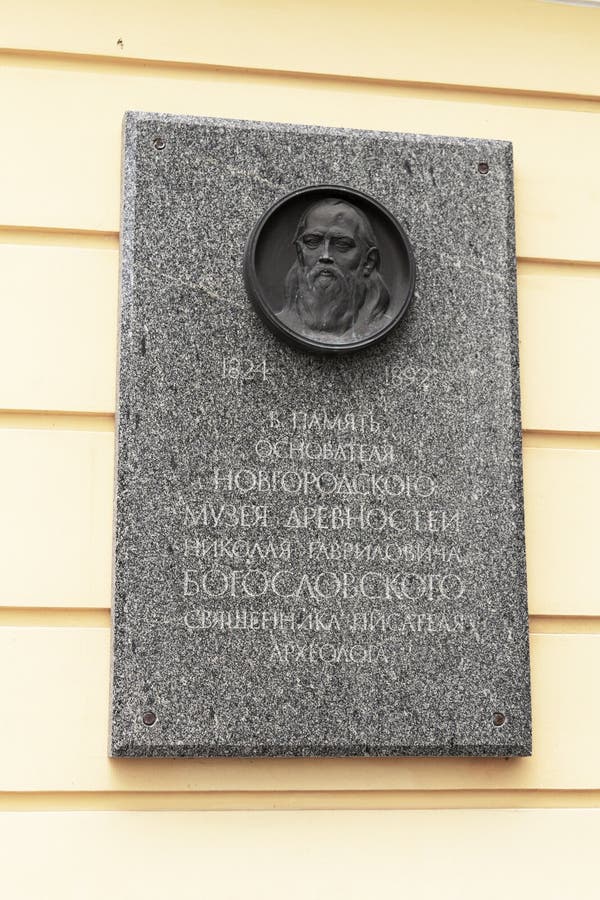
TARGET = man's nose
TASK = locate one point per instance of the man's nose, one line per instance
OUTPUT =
(325, 256)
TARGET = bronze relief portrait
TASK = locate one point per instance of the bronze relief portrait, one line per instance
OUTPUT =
(317, 267)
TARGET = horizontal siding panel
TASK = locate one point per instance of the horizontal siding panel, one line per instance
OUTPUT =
(559, 325)
(509, 45)
(562, 498)
(56, 524)
(58, 336)
(455, 854)
(57, 490)
(58, 328)
(55, 731)
(61, 167)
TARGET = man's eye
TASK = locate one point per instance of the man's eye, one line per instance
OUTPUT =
(344, 245)
(311, 240)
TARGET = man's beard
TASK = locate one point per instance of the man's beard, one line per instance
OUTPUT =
(326, 298)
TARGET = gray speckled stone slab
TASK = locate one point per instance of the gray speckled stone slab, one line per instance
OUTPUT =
(316, 556)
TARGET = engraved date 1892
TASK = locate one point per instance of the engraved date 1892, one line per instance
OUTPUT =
(408, 375)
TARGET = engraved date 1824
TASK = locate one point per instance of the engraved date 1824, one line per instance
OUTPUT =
(235, 368)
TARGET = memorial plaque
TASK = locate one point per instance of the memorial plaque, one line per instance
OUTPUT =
(319, 520)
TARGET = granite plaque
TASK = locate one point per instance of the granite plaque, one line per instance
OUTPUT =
(319, 520)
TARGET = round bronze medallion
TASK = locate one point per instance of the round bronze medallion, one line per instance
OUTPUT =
(329, 269)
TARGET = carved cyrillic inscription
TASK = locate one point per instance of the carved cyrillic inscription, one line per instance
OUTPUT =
(377, 533)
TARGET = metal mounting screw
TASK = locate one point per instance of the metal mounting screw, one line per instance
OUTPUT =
(483, 168)
(499, 719)
(159, 143)
(149, 718)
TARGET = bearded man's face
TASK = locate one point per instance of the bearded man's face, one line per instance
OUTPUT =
(331, 254)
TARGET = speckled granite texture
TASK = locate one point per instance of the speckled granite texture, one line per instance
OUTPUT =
(316, 556)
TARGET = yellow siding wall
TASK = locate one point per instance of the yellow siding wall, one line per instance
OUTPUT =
(74, 824)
